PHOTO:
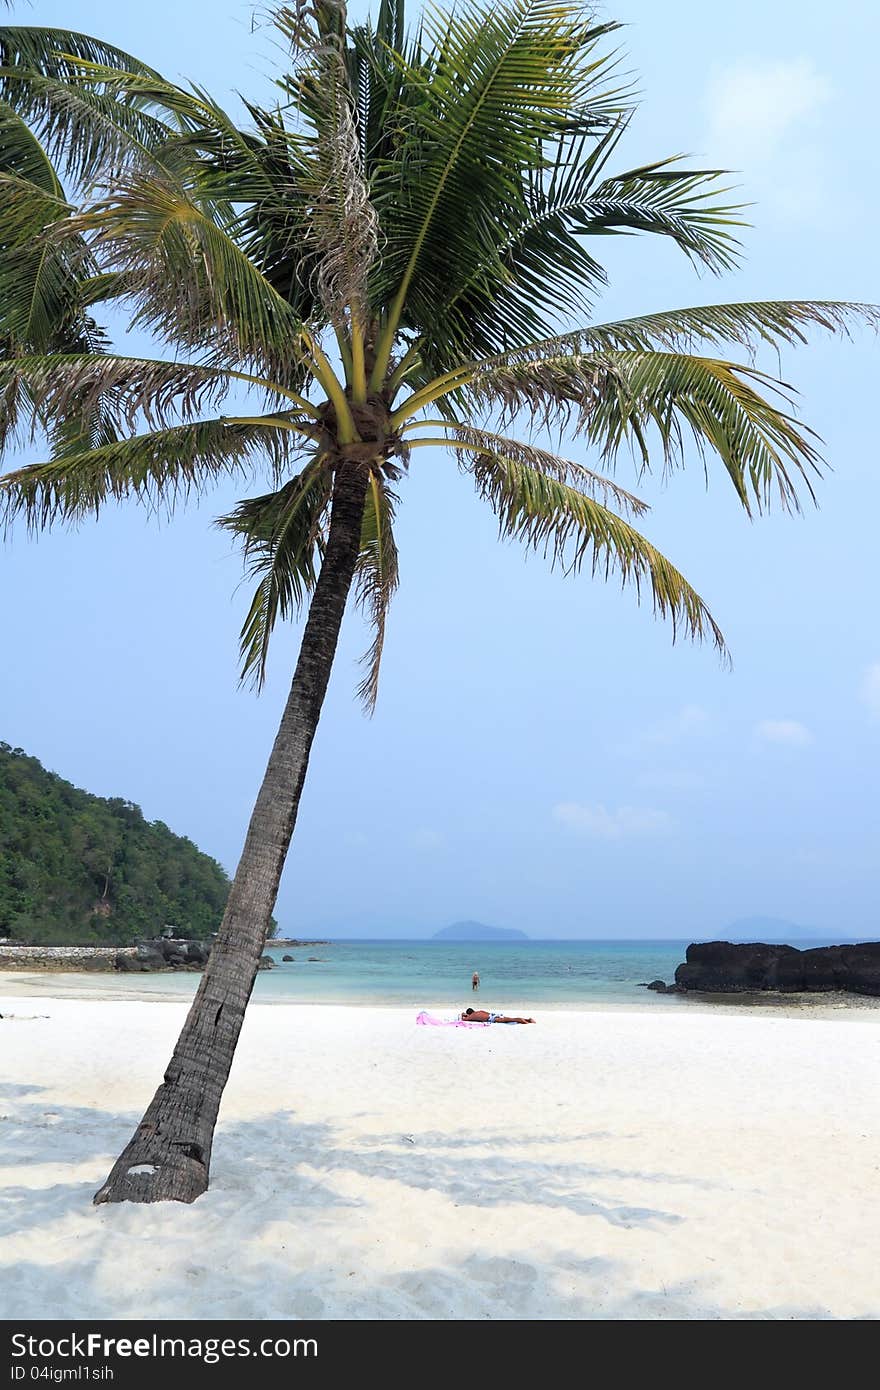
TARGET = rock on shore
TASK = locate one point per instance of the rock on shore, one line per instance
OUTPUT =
(163, 953)
(725, 967)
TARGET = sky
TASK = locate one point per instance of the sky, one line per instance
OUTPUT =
(542, 757)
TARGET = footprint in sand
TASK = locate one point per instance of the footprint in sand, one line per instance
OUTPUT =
(499, 1271)
(307, 1305)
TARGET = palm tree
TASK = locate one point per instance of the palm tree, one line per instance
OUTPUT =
(394, 257)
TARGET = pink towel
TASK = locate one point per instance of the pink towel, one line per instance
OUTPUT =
(429, 1021)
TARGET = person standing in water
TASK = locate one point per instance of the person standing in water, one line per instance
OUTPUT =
(475, 981)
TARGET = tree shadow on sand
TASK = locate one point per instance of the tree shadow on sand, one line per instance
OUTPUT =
(289, 1230)
(438, 1145)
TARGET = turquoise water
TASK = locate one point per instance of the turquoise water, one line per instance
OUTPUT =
(429, 974)
(516, 977)
(522, 975)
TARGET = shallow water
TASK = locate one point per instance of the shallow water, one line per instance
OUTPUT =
(515, 976)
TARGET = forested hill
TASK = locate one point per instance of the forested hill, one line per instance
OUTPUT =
(81, 868)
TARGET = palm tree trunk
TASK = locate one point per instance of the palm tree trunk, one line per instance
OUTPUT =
(168, 1157)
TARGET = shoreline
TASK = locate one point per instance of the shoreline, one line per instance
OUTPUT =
(604, 1164)
(109, 987)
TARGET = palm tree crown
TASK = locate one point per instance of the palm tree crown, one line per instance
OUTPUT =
(388, 258)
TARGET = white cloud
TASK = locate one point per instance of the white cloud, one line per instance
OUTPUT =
(426, 839)
(784, 731)
(756, 106)
(766, 123)
(600, 823)
(691, 721)
(869, 690)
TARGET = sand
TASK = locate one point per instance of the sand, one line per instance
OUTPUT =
(598, 1165)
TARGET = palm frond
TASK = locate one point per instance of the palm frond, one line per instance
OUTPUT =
(41, 274)
(190, 280)
(155, 469)
(616, 398)
(770, 322)
(262, 178)
(282, 533)
(478, 441)
(541, 269)
(133, 389)
(570, 528)
(86, 130)
(25, 207)
(41, 277)
(681, 204)
(60, 52)
(538, 270)
(377, 578)
(490, 85)
(44, 272)
(24, 158)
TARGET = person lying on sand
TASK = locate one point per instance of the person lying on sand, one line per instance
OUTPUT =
(483, 1016)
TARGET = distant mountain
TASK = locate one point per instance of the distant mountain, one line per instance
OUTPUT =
(767, 929)
(478, 931)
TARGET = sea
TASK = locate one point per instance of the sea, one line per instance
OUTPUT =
(515, 976)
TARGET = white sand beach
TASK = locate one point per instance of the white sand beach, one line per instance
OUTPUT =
(644, 1165)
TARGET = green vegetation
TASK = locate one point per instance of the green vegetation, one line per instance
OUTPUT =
(77, 868)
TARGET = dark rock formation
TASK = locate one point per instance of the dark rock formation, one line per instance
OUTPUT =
(172, 953)
(288, 957)
(159, 954)
(266, 963)
(128, 963)
(724, 967)
(96, 962)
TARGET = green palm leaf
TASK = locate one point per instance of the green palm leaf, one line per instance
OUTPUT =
(616, 398)
(471, 439)
(50, 76)
(488, 89)
(677, 203)
(40, 274)
(772, 322)
(569, 529)
(135, 389)
(156, 468)
(377, 577)
(190, 280)
(85, 129)
(541, 268)
(282, 535)
(60, 52)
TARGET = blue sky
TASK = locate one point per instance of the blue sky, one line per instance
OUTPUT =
(542, 757)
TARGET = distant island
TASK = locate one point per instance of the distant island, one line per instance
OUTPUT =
(478, 931)
(78, 869)
(767, 929)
